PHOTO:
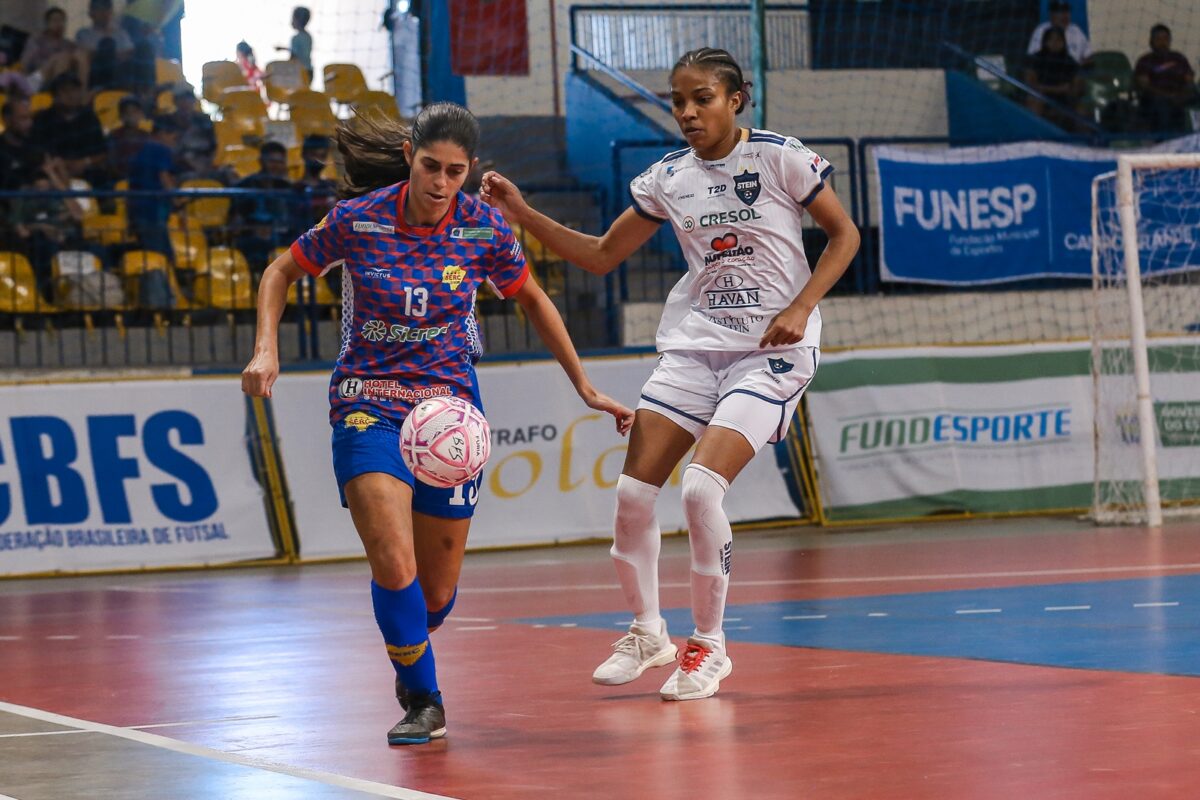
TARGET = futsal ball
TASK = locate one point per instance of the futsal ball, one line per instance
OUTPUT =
(445, 441)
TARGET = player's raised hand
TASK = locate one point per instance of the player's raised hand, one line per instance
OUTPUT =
(787, 327)
(602, 402)
(259, 375)
(499, 192)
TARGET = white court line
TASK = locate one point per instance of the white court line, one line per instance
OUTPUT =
(9, 639)
(569, 625)
(145, 727)
(476, 628)
(174, 745)
(1154, 605)
(978, 611)
(737, 627)
(118, 637)
(877, 614)
(6, 797)
(39, 733)
(1068, 608)
(62, 638)
(949, 576)
(474, 619)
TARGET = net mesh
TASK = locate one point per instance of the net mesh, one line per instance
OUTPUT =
(1167, 204)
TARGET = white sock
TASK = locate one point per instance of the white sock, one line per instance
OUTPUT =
(712, 548)
(636, 543)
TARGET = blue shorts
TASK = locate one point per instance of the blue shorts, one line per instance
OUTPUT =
(365, 442)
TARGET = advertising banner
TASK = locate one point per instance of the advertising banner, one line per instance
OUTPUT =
(123, 475)
(980, 215)
(912, 432)
(552, 472)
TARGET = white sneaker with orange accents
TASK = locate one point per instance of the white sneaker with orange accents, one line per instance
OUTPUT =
(701, 668)
(645, 646)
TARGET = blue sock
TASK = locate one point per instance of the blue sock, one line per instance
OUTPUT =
(401, 616)
(436, 618)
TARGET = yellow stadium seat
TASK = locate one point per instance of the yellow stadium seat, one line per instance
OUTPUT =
(105, 105)
(344, 82)
(166, 71)
(282, 78)
(228, 133)
(207, 212)
(380, 100)
(105, 228)
(226, 281)
(242, 100)
(244, 160)
(308, 98)
(313, 120)
(164, 103)
(188, 242)
(18, 287)
(136, 262)
(40, 101)
(217, 76)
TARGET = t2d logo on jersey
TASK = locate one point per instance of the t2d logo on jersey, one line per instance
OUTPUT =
(730, 291)
(747, 186)
(726, 247)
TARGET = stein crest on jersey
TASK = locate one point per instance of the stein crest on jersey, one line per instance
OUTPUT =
(747, 186)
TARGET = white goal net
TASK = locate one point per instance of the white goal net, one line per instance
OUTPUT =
(1146, 338)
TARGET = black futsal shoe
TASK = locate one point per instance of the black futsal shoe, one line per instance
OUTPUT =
(425, 720)
(401, 693)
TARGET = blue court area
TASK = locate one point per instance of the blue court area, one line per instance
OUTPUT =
(1142, 625)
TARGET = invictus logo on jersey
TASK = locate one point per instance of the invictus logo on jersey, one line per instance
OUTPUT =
(725, 247)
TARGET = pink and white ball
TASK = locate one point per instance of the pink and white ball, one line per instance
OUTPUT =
(445, 441)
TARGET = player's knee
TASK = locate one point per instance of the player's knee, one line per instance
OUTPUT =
(635, 513)
(392, 568)
(440, 605)
(703, 489)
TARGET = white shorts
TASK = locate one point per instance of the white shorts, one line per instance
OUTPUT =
(753, 393)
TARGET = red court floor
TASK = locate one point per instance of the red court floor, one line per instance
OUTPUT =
(265, 683)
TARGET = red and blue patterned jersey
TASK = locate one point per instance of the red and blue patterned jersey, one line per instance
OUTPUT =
(408, 297)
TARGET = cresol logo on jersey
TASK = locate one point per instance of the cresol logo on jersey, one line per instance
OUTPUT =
(879, 434)
(95, 501)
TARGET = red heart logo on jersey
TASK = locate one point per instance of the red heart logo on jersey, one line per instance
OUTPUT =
(726, 242)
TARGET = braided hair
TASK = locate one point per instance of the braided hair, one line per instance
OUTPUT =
(721, 64)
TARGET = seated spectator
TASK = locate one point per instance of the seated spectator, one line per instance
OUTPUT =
(45, 224)
(1053, 72)
(125, 141)
(1077, 41)
(319, 195)
(196, 134)
(203, 166)
(153, 169)
(108, 47)
(18, 154)
(264, 221)
(70, 130)
(1165, 84)
(250, 69)
(50, 53)
(13, 81)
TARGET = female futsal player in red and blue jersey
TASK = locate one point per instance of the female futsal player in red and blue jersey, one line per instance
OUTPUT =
(413, 253)
(739, 338)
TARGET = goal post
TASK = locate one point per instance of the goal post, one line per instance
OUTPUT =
(1148, 210)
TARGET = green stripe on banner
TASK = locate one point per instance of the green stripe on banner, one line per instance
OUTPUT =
(855, 372)
(1012, 501)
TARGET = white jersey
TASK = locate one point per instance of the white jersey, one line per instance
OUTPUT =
(738, 222)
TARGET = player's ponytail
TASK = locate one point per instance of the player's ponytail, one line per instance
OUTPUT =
(722, 64)
(372, 148)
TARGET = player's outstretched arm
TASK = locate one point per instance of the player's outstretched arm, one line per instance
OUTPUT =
(549, 325)
(599, 255)
(259, 375)
(789, 324)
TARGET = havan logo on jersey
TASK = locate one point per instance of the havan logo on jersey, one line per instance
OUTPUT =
(726, 247)
(374, 330)
(729, 291)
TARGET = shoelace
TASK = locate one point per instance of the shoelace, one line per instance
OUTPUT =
(693, 657)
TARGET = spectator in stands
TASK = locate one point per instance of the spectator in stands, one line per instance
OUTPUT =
(1165, 83)
(70, 130)
(50, 53)
(249, 65)
(153, 169)
(203, 166)
(1052, 72)
(1077, 41)
(107, 45)
(263, 221)
(13, 81)
(18, 154)
(125, 141)
(318, 194)
(300, 48)
(43, 223)
(196, 134)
